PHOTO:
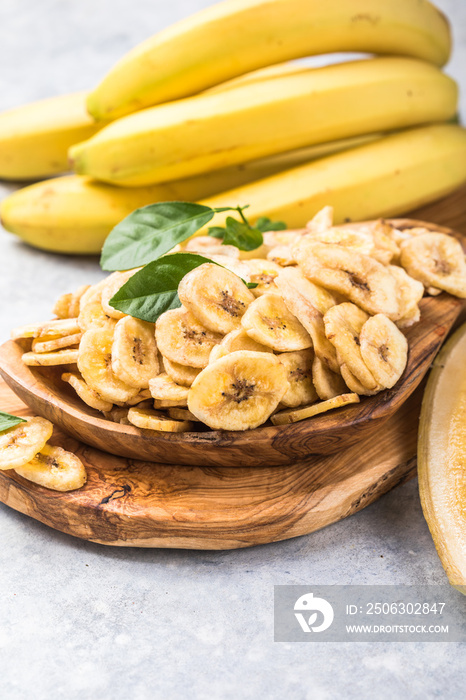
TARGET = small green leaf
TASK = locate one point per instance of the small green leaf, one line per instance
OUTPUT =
(8, 421)
(152, 231)
(264, 224)
(252, 285)
(216, 232)
(241, 235)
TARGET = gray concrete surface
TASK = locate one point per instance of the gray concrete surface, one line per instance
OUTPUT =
(78, 620)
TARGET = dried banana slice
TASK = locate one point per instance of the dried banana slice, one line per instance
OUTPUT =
(95, 365)
(139, 399)
(281, 255)
(355, 385)
(268, 321)
(294, 415)
(308, 302)
(51, 359)
(134, 352)
(327, 384)
(207, 246)
(273, 239)
(20, 444)
(410, 293)
(181, 374)
(57, 328)
(354, 239)
(117, 414)
(163, 388)
(56, 469)
(436, 260)
(263, 273)
(322, 221)
(183, 339)
(343, 324)
(216, 297)
(360, 278)
(155, 420)
(67, 306)
(85, 393)
(113, 283)
(238, 267)
(92, 294)
(49, 343)
(298, 367)
(92, 316)
(385, 248)
(384, 349)
(236, 340)
(238, 391)
(178, 413)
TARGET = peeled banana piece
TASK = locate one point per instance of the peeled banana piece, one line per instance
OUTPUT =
(35, 138)
(211, 131)
(238, 36)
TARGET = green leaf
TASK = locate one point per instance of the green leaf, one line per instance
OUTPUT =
(264, 224)
(242, 235)
(8, 421)
(152, 231)
(216, 232)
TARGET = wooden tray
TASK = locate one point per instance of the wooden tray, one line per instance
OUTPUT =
(142, 504)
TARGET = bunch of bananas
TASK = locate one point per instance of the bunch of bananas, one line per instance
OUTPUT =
(216, 109)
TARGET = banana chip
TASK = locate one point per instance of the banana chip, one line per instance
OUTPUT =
(163, 388)
(263, 273)
(343, 324)
(183, 339)
(216, 297)
(20, 444)
(298, 367)
(436, 260)
(55, 468)
(236, 340)
(322, 221)
(355, 385)
(51, 359)
(327, 384)
(178, 413)
(92, 315)
(85, 393)
(181, 374)
(67, 306)
(57, 328)
(360, 278)
(269, 322)
(293, 416)
(384, 349)
(410, 293)
(238, 391)
(112, 284)
(134, 352)
(95, 365)
(281, 255)
(155, 420)
(49, 343)
(207, 246)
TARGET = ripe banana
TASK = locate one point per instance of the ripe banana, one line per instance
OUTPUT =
(35, 138)
(239, 36)
(74, 214)
(388, 177)
(208, 132)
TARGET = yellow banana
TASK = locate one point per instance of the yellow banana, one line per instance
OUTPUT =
(74, 214)
(238, 36)
(35, 138)
(275, 115)
(388, 177)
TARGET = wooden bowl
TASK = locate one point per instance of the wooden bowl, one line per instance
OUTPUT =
(44, 392)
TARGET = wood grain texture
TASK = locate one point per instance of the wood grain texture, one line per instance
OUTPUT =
(141, 504)
(43, 390)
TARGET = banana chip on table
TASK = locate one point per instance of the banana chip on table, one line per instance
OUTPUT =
(183, 339)
(263, 273)
(298, 367)
(181, 374)
(360, 278)
(95, 365)
(327, 383)
(20, 444)
(268, 321)
(163, 388)
(436, 260)
(156, 420)
(85, 393)
(236, 340)
(384, 350)
(295, 415)
(238, 391)
(134, 352)
(343, 324)
(217, 297)
(309, 302)
(55, 468)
